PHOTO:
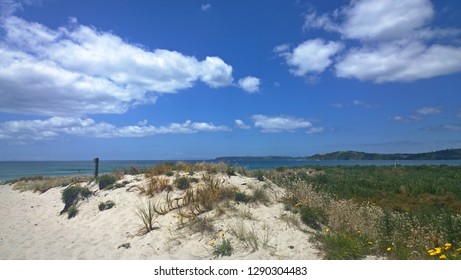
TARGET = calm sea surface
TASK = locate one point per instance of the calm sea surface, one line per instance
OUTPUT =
(17, 169)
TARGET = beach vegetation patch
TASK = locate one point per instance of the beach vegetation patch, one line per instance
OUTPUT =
(344, 247)
(106, 205)
(242, 197)
(72, 211)
(105, 181)
(404, 211)
(147, 215)
(223, 248)
(182, 183)
(72, 195)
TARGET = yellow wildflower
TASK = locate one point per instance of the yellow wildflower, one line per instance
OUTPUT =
(447, 246)
(459, 249)
(298, 204)
(326, 230)
(438, 250)
(370, 243)
(212, 243)
(389, 249)
(443, 257)
(222, 234)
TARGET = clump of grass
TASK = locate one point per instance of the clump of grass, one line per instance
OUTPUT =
(105, 181)
(344, 247)
(222, 249)
(106, 205)
(242, 197)
(230, 171)
(312, 217)
(202, 225)
(260, 195)
(182, 183)
(156, 184)
(259, 175)
(72, 211)
(146, 213)
(71, 196)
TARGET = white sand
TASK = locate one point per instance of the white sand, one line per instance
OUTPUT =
(31, 228)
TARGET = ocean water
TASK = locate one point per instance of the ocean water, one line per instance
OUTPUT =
(16, 169)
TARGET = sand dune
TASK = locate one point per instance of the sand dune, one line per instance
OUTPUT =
(32, 228)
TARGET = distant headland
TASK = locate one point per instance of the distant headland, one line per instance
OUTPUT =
(448, 154)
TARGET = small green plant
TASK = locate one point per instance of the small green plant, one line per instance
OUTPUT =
(72, 194)
(312, 216)
(344, 247)
(182, 183)
(260, 195)
(222, 249)
(242, 197)
(146, 213)
(105, 181)
(259, 175)
(72, 211)
(106, 205)
(230, 171)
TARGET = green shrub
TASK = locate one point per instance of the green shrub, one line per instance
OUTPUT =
(182, 183)
(230, 171)
(344, 247)
(106, 180)
(259, 175)
(106, 205)
(223, 249)
(72, 211)
(242, 197)
(312, 216)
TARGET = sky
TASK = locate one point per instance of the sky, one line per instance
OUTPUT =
(171, 79)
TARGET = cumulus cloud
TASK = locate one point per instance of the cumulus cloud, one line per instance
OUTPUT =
(399, 62)
(43, 129)
(80, 70)
(311, 56)
(271, 124)
(249, 84)
(385, 19)
(393, 40)
(240, 124)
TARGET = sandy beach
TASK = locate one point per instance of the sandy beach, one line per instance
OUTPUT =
(33, 229)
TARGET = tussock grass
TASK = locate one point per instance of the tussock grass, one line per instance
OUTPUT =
(147, 215)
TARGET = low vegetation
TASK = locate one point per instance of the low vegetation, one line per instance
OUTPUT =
(392, 212)
(71, 196)
(106, 205)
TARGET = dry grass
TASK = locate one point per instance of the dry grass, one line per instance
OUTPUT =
(42, 184)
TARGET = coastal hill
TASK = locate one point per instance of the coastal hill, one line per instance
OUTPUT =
(449, 154)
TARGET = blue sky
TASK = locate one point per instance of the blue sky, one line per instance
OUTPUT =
(201, 79)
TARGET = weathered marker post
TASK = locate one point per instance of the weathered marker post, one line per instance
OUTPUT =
(96, 167)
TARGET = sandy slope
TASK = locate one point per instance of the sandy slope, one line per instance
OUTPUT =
(31, 227)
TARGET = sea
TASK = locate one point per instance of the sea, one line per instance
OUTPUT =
(10, 170)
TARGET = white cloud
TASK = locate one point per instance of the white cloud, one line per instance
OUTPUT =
(392, 37)
(78, 70)
(205, 7)
(240, 124)
(385, 19)
(56, 126)
(279, 123)
(249, 84)
(397, 62)
(311, 56)
(419, 115)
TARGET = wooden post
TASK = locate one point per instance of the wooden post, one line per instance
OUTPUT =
(96, 167)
